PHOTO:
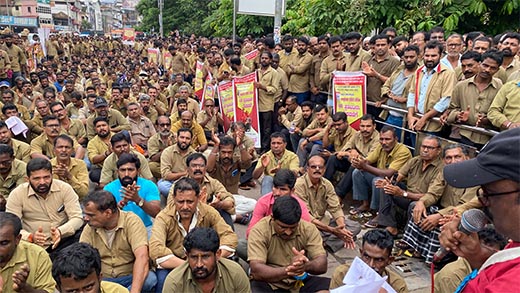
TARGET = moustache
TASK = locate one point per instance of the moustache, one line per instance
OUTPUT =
(127, 180)
(197, 172)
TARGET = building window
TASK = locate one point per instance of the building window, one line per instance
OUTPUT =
(29, 9)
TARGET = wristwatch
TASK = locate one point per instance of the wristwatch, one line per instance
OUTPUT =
(405, 194)
(141, 203)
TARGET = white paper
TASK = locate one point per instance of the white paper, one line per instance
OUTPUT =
(16, 125)
(362, 278)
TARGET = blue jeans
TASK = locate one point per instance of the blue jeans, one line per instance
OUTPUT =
(164, 187)
(364, 184)
(301, 97)
(396, 121)
(312, 148)
(126, 281)
(161, 277)
(267, 184)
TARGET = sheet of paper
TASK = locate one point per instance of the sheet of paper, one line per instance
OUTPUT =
(362, 278)
(16, 125)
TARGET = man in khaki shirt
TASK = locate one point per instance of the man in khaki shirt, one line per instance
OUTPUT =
(141, 128)
(281, 247)
(283, 86)
(121, 144)
(360, 143)
(99, 147)
(12, 173)
(49, 208)
(267, 86)
(336, 134)
(173, 161)
(25, 267)
(290, 116)
(376, 252)
(72, 127)
(206, 268)
(121, 239)
(316, 87)
(419, 172)
(115, 119)
(503, 112)
(212, 192)
(177, 219)
(158, 143)
(356, 55)
(43, 145)
(209, 118)
(298, 71)
(311, 143)
(22, 151)
(334, 62)
(198, 140)
(385, 160)
(275, 159)
(68, 169)
(319, 196)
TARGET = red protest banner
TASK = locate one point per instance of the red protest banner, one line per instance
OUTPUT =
(246, 105)
(349, 94)
(252, 55)
(209, 91)
(227, 103)
(198, 83)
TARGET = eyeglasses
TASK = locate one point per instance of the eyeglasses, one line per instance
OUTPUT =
(164, 124)
(483, 196)
(316, 167)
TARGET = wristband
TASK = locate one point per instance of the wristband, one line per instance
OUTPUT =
(30, 238)
(299, 280)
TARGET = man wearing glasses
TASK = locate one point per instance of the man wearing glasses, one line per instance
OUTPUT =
(497, 171)
(158, 143)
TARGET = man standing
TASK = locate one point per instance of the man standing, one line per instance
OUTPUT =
(267, 87)
(356, 55)
(454, 49)
(24, 267)
(318, 193)
(298, 70)
(134, 193)
(509, 47)
(173, 161)
(316, 88)
(284, 251)
(205, 269)
(334, 62)
(17, 57)
(68, 169)
(158, 143)
(430, 92)
(178, 218)
(120, 238)
(61, 224)
(496, 171)
(275, 159)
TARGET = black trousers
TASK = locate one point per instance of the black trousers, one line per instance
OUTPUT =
(266, 123)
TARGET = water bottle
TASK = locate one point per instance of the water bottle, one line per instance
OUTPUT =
(292, 128)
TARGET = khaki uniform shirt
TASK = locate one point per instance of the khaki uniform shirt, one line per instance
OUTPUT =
(417, 179)
(116, 121)
(299, 75)
(5, 63)
(156, 145)
(117, 258)
(447, 196)
(265, 246)
(43, 145)
(510, 69)
(339, 140)
(152, 113)
(394, 160)
(230, 277)
(76, 129)
(40, 275)
(315, 71)
(284, 84)
(15, 177)
(212, 123)
(95, 147)
(211, 190)
(385, 68)
(291, 117)
(328, 65)
(289, 160)
(172, 161)
(178, 64)
(356, 142)
(168, 233)
(59, 209)
(22, 150)
(17, 57)
(79, 175)
(285, 59)
(449, 278)
(198, 136)
(229, 178)
(109, 287)
(141, 130)
(174, 88)
(319, 199)
(109, 170)
(316, 124)
(466, 94)
(271, 80)
(506, 105)
(394, 279)
(353, 62)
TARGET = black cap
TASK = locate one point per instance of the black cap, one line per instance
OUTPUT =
(100, 102)
(498, 160)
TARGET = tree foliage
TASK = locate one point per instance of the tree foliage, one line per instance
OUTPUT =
(315, 17)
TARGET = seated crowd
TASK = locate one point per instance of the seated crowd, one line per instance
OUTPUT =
(119, 179)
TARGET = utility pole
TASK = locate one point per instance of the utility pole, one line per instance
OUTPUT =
(234, 21)
(277, 20)
(161, 5)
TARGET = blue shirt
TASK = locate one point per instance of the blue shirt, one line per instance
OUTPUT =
(440, 106)
(148, 192)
